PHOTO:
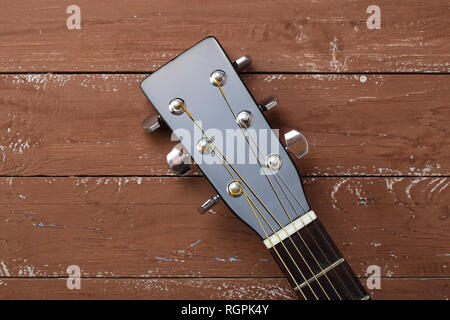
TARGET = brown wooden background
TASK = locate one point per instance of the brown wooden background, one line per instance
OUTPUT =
(82, 184)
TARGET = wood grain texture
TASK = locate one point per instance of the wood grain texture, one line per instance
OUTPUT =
(387, 125)
(203, 288)
(81, 183)
(136, 227)
(282, 36)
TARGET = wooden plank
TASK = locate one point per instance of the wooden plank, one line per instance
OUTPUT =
(299, 36)
(195, 288)
(149, 227)
(356, 125)
(252, 289)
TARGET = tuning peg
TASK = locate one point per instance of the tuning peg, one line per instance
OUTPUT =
(268, 103)
(179, 160)
(242, 63)
(296, 143)
(152, 122)
(209, 204)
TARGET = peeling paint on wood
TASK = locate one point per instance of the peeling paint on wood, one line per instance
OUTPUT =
(95, 130)
(378, 167)
(284, 36)
(136, 231)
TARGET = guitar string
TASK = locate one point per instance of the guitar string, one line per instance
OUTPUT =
(279, 199)
(253, 206)
(295, 263)
(315, 242)
(297, 200)
(278, 175)
(259, 200)
(275, 175)
(330, 246)
(352, 278)
(225, 159)
(271, 243)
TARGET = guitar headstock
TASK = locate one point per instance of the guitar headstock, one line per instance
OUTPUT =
(202, 98)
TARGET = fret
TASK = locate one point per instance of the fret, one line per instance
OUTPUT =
(314, 266)
(321, 273)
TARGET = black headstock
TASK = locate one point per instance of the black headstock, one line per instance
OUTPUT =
(202, 98)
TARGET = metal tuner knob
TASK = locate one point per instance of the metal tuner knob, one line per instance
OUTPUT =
(179, 160)
(151, 123)
(211, 202)
(296, 143)
(268, 103)
(242, 63)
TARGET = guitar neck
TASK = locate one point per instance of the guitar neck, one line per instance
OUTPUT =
(312, 263)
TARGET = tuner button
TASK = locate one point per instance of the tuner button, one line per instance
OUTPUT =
(268, 103)
(151, 123)
(296, 143)
(211, 202)
(244, 119)
(242, 63)
(179, 160)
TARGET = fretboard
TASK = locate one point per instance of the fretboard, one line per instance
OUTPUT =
(312, 263)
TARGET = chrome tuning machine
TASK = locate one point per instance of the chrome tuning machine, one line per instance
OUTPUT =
(179, 161)
(268, 103)
(152, 123)
(242, 63)
(211, 202)
(296, 143)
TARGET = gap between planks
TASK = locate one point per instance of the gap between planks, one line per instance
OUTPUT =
(241, 73)
(202, 176)
(219, 278)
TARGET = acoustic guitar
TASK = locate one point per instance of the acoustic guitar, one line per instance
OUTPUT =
(222, 129)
